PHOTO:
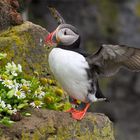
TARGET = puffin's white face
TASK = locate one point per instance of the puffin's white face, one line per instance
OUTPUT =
(66, 36)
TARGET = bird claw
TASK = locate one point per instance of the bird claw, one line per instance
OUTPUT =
(78, 115)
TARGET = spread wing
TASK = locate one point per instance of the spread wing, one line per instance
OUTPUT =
(110, 58)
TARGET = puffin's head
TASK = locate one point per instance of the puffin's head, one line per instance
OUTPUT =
(65, 36)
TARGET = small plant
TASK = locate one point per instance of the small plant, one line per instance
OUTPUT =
(18, 93)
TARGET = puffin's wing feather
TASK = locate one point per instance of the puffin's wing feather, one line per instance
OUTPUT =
(110, 58)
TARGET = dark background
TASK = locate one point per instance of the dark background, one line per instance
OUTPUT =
(102, 22)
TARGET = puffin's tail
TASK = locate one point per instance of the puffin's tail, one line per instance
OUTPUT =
(99, 94)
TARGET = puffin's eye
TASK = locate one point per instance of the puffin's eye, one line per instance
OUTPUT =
(65, 33)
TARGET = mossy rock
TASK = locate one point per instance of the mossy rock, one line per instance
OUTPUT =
(24, 45)
(54, 125)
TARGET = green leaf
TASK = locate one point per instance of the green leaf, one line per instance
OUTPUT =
(10, 93)
(10, 112)
(27, 114)
(22, 106)
(3, 55)
(1, 110)
(25, 101)
(59, 106)
(67, 106)
(34, 84)
(6, 121)
(5, 109)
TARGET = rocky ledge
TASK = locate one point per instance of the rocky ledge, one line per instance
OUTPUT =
(54, 125)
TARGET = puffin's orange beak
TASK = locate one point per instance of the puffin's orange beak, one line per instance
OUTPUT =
(49, 39)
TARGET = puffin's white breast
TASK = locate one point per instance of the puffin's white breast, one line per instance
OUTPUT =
(69, 68)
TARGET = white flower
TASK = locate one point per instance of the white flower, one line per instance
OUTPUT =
(14, 111)
(16, 85)
(3, 104)
(8, 83)
(39, 93)
(14, 73)
(19, 68)
(26, 83)
(19, 94)
(9, 106)
(36, 104)
(12, 68)
(25, 86)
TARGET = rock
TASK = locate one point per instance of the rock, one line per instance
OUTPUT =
(8, 14)
(24, 44)
(52, 125)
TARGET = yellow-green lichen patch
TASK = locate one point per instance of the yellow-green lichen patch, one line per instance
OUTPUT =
(22, 44)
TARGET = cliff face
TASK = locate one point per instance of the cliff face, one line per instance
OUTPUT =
(52, 125)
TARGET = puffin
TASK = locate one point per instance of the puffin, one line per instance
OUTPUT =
(78, 72)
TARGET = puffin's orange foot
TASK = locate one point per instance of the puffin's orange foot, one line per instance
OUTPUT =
(78, 115)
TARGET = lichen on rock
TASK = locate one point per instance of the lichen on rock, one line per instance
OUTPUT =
(54, 125)
(24, 44)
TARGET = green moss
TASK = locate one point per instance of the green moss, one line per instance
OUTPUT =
(25, 136)
(36, 136)
(19, 45)
(42, 130)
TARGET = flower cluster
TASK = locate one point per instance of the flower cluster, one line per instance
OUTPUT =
(17, 89)
(18, 93)
(13, 69)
